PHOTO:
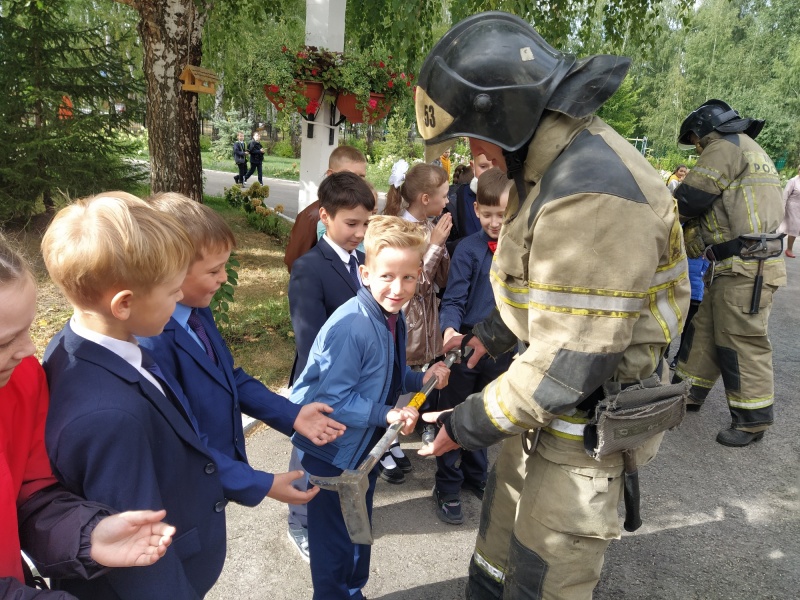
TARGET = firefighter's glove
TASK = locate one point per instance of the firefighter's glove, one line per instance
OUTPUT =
(692, 239)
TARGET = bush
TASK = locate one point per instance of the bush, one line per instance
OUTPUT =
(357, 143)
(283, 149)
(205, 143)
(220, 303)
(269, 221)
(238, 198)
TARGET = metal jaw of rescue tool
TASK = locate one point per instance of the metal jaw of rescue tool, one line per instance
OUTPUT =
(352, 484)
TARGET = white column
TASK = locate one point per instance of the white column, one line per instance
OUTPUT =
(324, 29)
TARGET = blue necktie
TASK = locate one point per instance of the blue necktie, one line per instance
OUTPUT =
(149, 365)
(354, 271)
(197, 326)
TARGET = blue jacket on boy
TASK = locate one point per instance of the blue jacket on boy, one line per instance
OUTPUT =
(218, 394)
(468, 298)
(113, 437)
(350, 369)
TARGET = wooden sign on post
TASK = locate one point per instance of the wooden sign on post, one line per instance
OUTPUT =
(199, 80)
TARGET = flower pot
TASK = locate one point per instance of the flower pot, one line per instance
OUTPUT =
(273, 94)
(312, 90)
(377, 108)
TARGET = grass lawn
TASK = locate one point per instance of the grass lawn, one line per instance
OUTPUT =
(260, 335)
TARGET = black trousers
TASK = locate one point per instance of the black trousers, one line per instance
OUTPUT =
(253, 167)
(242, 170)
(457, 466)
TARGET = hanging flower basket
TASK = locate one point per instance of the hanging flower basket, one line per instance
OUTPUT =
(307, 96)
(377, 108)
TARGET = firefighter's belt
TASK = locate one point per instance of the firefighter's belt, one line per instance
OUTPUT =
(751, 246)
(626, 417)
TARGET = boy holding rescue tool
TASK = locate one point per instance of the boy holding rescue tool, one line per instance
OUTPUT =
(357, 365)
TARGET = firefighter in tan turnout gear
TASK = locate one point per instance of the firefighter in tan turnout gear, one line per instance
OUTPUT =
(590, 273)
(734, 190)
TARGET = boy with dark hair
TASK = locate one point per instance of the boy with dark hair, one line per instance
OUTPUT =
(322, 280)
(303, 236)
(468, 300)
(192, 350)
(358, 366)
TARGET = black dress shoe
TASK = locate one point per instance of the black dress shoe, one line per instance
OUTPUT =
(403, 463)
(393, 475)
(737, 438)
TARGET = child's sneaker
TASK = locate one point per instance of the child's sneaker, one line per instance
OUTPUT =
(448, 507)
(299, 538)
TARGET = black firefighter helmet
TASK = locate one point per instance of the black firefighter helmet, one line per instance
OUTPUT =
(715, 115)
(492, 76)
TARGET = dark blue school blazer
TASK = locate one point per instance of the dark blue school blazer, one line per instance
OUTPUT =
(218, 395)
(113, 437)
(320, 283)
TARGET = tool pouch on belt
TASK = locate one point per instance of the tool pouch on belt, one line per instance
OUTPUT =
(626, 417)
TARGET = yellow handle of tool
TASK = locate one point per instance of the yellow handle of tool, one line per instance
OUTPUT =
(417, 400)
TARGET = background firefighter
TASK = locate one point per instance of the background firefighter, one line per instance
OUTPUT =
(590, 272)
(733, 190)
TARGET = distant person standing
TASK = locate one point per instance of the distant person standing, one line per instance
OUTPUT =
(791, 217)
(256, 157)
(240, 157)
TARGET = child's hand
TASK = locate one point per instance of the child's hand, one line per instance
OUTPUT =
(441, 372)
(312, 423)
(283, 491)
(442, 229)
(408, 415)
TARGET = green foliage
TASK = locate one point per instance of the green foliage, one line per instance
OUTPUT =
(220, 303)
(270, 222)
(397, 141)
(283, 149)
(228, 129)
(48, 148)
(620, 110)
(205, 143)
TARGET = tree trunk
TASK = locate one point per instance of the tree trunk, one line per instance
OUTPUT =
(170, 31)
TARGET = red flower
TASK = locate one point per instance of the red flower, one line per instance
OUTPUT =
(408, 84)
(373, 103)
(302, 55)
(315, 72)
(411, 76)
(390, 84)
(381, 64)
(312, 106)
(415, 93)
(284, 49)
(274, 89)
(402, 75)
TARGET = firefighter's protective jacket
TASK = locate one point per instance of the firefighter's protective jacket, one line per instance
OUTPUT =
(734, 189)
(590, 271)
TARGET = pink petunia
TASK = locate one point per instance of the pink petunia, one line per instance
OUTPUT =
(373, 104)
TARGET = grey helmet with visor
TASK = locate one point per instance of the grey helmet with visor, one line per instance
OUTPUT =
(715, 115)
(492, 76)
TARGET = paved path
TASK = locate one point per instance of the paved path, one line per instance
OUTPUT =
(720, 523)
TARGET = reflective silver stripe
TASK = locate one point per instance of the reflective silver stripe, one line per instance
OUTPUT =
(665, 308)
(672, 275)
(571, 429)
(495, 411)
(752, 404)
(569, 299)
(497, 574)
(712, 174)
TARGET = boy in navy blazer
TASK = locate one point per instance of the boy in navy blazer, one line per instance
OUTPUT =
(119, 431)
(192, 350)
(322, 280)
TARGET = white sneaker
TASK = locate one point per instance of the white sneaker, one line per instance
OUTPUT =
(299, 538)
